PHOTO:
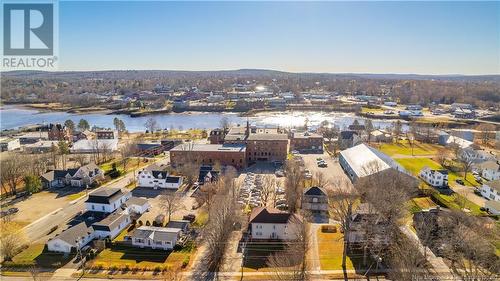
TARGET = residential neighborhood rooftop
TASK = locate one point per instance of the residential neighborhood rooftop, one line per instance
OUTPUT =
(269, 215)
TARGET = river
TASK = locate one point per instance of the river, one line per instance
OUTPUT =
(12, 117)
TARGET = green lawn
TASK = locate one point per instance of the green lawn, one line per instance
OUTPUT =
(414, 165)
(404, 148)
(201, 218)
(75, 196)
(424, 203)
(331, 247)
(35, 255)
(131, 164)
(120, 256)
(455, 201)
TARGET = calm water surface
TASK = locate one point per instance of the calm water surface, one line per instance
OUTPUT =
(12, 117)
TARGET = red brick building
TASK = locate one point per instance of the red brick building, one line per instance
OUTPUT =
(217, 136)
(106, 134)
(59, 132)
(267, 147)
(209, 154)
(306, 142)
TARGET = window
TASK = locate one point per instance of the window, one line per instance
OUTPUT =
(103, 208)
(93, 207)
(158, 242)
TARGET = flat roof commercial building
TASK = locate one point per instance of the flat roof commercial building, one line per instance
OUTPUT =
(362, 160)
(224, 154)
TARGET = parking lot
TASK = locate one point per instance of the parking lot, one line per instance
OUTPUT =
(39, 204)
(333, 173)
(155, 200)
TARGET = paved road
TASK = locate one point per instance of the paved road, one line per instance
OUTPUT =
(38, 229)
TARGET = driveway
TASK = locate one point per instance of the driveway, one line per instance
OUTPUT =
(468, 192)
(154, 199)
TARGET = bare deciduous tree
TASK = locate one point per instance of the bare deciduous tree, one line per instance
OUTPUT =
(206, 195)
(341, 202)
(81, 159)
(11, 240)
(170, 202)
(151, 125)
(11, 172)
(268, 189)
(442, 156)
(126, 151)
(405, 260)
(292, 262)
(294, 184)
(465, 243)
(465, 161)
(320, 180)
(221, 223)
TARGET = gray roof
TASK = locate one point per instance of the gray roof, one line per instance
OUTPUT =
(54, 174)
(173, 179)
(491, 165)
(136, 201)
(365, 160)
(75, 233)
(306, 135)
(156, 233)
(494, 184)
(110, 222)
(315, 191)
(180, 224)
(210, 147)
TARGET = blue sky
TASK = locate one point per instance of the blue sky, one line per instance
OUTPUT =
(337, 37)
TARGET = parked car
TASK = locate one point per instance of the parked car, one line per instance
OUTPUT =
(279, 173)
(190, 217)
(280, 201)
(282, 207)
(307, 174)
(322, 164)
(459, 181)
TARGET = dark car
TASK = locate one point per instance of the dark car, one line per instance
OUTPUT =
(189, 218)
(459, 181)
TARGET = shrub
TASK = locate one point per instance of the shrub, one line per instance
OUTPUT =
(185, 261)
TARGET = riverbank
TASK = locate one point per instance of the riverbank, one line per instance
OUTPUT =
(14, 117)
(58, 107)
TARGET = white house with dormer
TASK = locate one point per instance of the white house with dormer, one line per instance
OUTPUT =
(269, 223)
(489, 170)
(158, 179)
(435, 178)
(491, 190)
(106, 200)
(476, 156)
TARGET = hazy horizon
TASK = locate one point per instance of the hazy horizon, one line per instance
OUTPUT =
(423, 38)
